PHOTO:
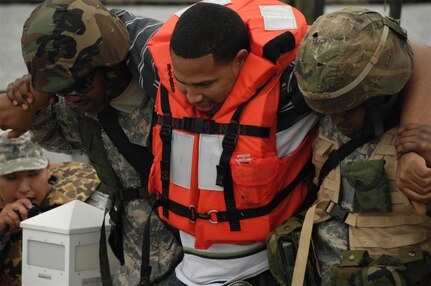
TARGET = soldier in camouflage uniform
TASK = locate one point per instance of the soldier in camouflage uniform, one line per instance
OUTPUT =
(30, 185)
(96, 59)
(351, 67)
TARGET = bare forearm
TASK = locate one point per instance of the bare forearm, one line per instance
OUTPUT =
(417, 95)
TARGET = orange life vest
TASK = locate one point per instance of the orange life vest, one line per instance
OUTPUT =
(253, 189)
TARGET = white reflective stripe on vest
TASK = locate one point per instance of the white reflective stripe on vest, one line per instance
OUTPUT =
(181, 158)
(210, 149)
(278, 17)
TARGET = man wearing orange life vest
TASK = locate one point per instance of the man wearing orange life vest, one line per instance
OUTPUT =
(227, 169)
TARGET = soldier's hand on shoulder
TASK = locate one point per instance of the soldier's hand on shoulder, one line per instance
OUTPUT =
(413, 137)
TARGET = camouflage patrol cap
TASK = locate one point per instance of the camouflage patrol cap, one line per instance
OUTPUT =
(349, 56)
(20, 154)
(64, 40)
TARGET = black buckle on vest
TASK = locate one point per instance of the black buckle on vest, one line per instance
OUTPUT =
(193, 215)
(337, 212)
(166, 130)
(229, 141)
(201, 125)
(186, 123)
(196, 125)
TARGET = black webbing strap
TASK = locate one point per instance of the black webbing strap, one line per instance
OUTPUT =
(146, 242)
(138, 156)
(338, 155)
(105, 271)
(166, 136)
(222, 216)
(224, 174)
(208, 126)
(141, 160)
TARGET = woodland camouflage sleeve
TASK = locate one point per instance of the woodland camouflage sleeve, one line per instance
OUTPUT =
(56, 129)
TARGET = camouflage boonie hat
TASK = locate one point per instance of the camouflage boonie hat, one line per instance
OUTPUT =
(20, 154)
(64, 40)
(349, 56)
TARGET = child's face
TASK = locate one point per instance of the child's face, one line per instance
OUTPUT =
(32, 184)
(350, 122)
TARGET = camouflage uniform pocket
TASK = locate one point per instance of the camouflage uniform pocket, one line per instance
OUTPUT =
(370, 182)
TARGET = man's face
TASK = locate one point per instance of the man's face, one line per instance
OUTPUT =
(91, 98)
(350, 122)
(32, 185)
(205, 83)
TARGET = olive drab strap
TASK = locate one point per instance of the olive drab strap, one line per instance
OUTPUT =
(303, 247)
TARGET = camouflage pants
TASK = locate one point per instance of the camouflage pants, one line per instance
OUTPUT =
(165, 252)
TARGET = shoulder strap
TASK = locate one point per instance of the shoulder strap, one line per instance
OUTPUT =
(338, 155)
(138, 156)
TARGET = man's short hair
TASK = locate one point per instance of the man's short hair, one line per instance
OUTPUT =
(207, 28)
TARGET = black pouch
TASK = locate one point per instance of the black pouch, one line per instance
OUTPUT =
(367, 276)
(116, 236)
(370, 182)
(418, 263)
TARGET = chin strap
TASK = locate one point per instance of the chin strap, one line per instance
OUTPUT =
(380, 116)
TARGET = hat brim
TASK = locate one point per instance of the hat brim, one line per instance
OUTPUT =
(22, 164)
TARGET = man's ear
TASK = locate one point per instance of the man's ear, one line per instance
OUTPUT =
(240, 57)
(49, 168)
